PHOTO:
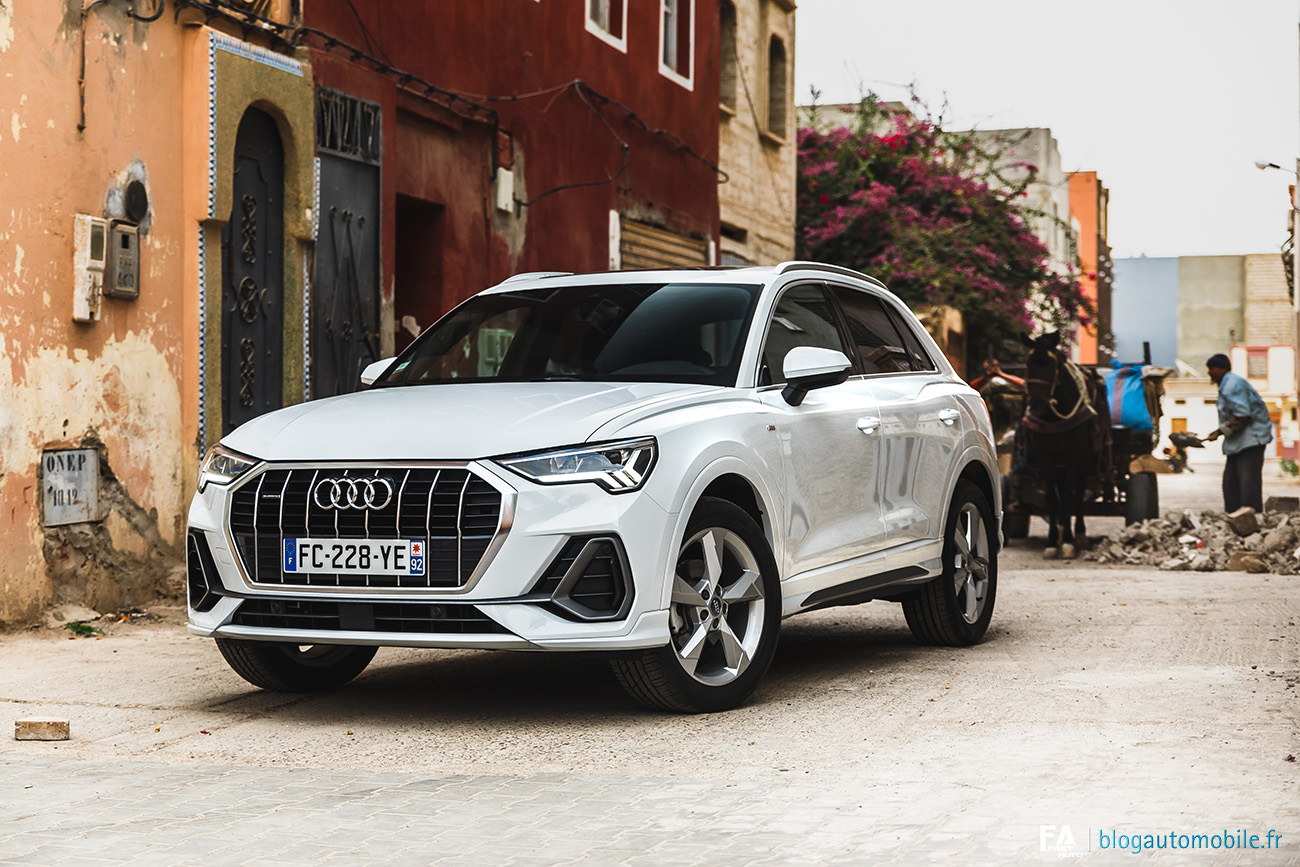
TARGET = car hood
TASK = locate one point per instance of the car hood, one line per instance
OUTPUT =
(446, 422)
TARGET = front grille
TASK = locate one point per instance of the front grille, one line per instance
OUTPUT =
(452, 511)
(321, 615)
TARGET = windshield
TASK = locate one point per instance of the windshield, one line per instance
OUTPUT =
(664, 332)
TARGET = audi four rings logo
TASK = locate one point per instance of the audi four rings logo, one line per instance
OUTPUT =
(353, 493)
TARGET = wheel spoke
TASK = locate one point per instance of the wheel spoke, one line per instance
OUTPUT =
(732, 649)
(747, 588)
(691, 650)
(960, 576)
(686, 593)
(963, 544)
(712, 545)
(972, 603)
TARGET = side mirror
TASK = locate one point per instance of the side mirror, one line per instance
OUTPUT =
(809, 367)
(374, 370)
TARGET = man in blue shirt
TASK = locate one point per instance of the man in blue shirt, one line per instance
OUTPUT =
(1246, 428)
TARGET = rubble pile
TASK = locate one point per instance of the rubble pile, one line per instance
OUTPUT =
(1187, 541)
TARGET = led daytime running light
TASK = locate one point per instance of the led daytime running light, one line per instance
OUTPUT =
(222, 466)
(618, 466)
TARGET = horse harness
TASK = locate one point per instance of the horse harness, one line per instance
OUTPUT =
(1081, 412)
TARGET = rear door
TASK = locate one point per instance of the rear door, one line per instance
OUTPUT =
(922, 419)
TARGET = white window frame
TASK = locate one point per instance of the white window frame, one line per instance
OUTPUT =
(594, 28)
(665, 70)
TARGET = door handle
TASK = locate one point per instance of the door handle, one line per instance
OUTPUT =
(868, 424)
(948, 416)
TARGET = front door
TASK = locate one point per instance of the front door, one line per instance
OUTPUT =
(345, 299)
(252, 291)
(830, 445)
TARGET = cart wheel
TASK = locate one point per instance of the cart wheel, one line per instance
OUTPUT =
(1143, 500)
(1015, 525)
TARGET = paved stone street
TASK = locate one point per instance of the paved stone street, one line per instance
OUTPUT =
(1103, 700)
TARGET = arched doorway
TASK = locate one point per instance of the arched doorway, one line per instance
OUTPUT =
(252, 292)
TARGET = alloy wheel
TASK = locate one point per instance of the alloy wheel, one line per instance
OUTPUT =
(717, 608)
(971, 563)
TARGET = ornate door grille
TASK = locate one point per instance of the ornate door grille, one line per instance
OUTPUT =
(252, 298)
(345, 298)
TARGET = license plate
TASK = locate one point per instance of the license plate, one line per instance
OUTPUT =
(353, 557)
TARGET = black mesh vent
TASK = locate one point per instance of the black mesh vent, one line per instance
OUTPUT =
(198, 565)
(391, 617)
(452, 511)
(589, 580)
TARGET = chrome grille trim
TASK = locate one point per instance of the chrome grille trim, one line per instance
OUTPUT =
(485, 482)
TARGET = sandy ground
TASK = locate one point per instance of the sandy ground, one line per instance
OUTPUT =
(1099, 692)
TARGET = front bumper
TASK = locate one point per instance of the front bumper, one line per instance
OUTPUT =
(508, 604)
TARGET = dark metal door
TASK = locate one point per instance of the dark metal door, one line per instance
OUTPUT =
(252, 297)
(345, 298)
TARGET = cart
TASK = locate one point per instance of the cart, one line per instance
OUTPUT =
(1123, 482)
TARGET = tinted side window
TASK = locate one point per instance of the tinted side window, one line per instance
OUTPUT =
(803, 317)
(916, 351)
(880, 347)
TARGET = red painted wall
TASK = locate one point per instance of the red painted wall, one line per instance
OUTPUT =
(528, 49)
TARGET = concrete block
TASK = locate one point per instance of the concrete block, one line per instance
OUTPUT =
(41, 730)
(1282, 504)
(1279, 539)
(1244, 561)
(1244, 521)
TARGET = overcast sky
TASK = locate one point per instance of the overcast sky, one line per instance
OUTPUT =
(1170, 101)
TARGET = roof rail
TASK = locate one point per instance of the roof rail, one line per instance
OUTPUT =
(822, 266)
(533, 275)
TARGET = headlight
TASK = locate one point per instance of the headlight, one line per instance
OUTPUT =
(617, 467)
(222, 466)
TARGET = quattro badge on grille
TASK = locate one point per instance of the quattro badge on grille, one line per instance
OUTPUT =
(348, 493)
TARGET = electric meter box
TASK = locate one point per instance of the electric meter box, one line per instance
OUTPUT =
(89, 259)
(123, 277)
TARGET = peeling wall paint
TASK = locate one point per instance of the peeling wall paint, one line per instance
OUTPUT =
(89, 564)
(6, 25)
(129, 385)
(132, 384)
(115, 384)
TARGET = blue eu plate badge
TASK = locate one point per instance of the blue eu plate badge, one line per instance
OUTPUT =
(291, 555)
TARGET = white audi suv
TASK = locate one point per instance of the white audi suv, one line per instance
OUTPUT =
(657, 466)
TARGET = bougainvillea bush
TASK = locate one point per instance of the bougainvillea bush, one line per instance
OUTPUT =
(928, 213)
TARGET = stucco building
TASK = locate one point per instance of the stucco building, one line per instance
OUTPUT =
(758, 129)
(1089, 202)
(235, 207)
(1018, 152)
(1189, 308)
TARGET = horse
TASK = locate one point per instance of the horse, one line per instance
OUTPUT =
(1060, 445)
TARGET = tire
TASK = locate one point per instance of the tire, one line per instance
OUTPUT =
(1142, 502)
(954, 610)
(1015, 525)
(291, 668)
(724, 619)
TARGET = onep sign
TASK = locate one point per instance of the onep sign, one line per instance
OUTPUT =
(70, 486)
